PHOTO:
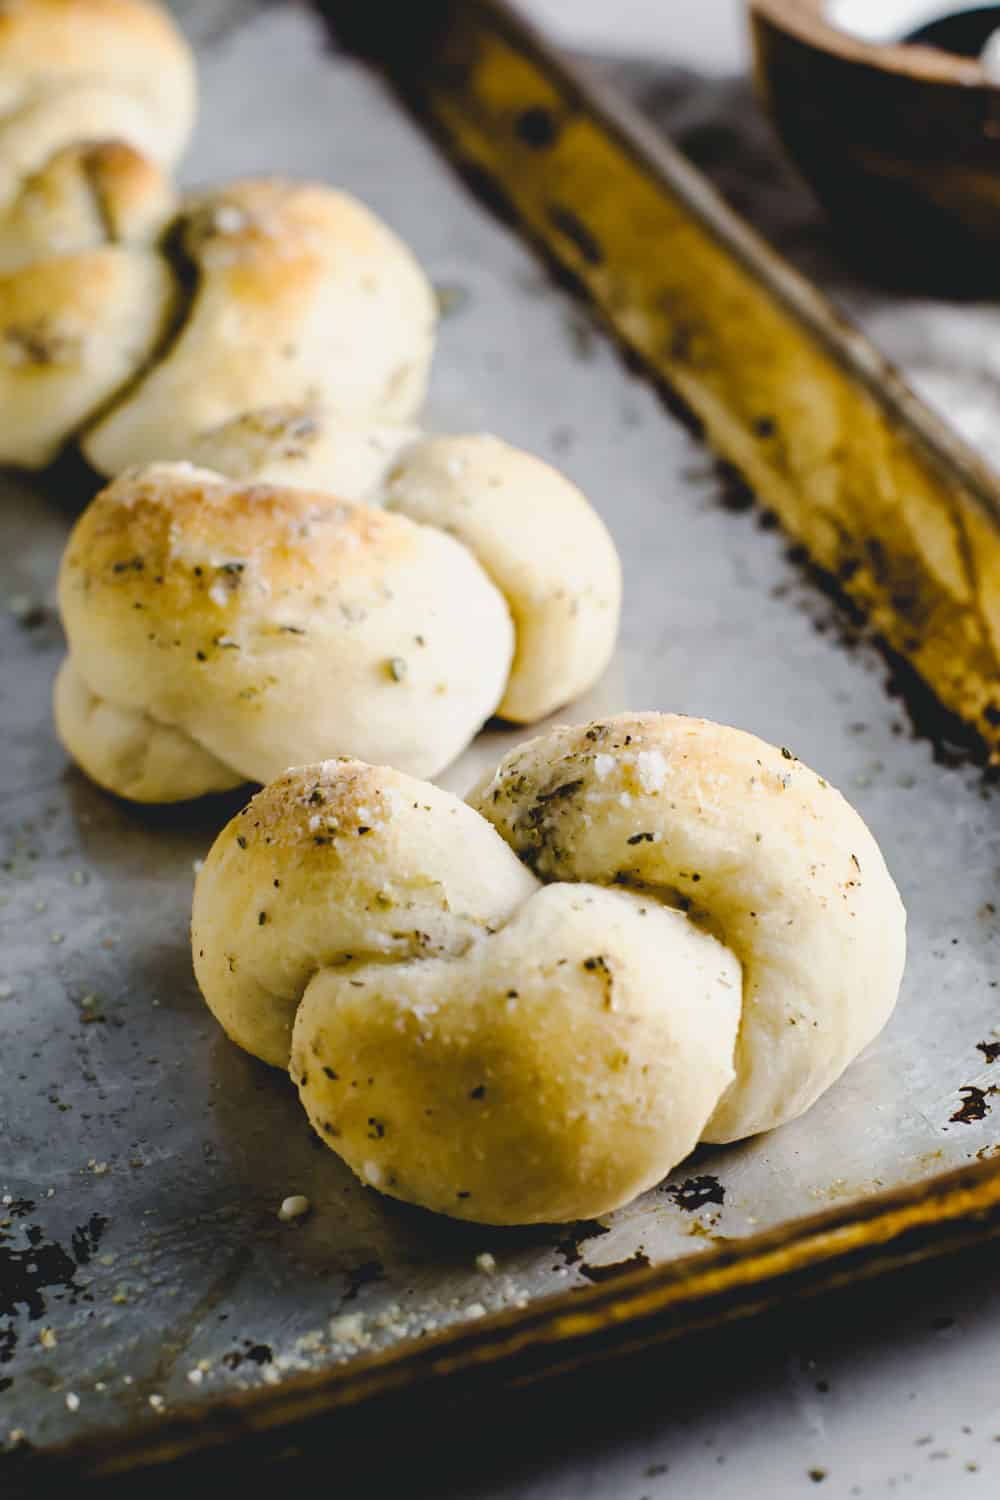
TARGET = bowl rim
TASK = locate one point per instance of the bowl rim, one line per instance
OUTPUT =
(807, 21)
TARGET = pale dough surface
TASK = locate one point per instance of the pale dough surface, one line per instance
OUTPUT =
(265, 623)
(642, 933)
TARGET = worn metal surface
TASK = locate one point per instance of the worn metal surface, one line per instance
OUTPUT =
(142, 1264)
(884, 495)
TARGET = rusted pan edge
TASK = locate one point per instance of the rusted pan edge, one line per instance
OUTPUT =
(883, 494)
(640, 1309)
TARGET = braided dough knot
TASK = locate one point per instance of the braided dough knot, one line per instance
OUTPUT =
(640, 934)
(295, 293)
(220, 630)
(96, 102)
(137, 324)
(78, 71)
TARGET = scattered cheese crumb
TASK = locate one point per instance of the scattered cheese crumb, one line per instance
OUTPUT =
(603, 766)
(72, 1401)
(196, 1376)
(475, 1310)
(652, 770)
(294, 1207)
(228, 219)
(348, 1329)
(47, 1338)
(486, 1263)
(157, 1402)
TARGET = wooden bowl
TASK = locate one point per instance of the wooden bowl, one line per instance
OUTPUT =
(901, 143)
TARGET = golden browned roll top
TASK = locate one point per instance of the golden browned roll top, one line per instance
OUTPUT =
(132, 321)
(97, 102)
(73, 72)
(637, 934)
(221, 630)
(298, 294)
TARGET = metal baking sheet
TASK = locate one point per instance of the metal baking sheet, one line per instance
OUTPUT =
(143, 1268)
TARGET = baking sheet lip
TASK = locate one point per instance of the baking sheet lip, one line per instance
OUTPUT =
(834, 329)
(967, 1208)
(655, 155)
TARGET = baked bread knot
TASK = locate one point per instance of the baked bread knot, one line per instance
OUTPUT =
(539, 540)
(73, 72)
(219, 630)
(255, 623)
(298, 294)
(637, 935)
(136, 326)
(96, 103)
(85, 295)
